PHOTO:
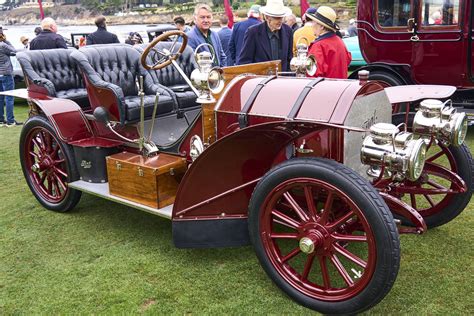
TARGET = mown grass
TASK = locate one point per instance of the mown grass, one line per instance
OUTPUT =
(104, 258)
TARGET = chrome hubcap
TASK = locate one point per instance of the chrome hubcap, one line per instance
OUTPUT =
(307, 245)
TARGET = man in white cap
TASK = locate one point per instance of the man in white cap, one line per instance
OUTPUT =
(331, 54)
(237, 39)
(271, 39)
(352, 29)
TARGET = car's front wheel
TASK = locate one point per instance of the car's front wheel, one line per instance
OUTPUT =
(48, 165)
(324, 236)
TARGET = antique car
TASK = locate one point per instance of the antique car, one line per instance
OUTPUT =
(310, 171)
(420, 42)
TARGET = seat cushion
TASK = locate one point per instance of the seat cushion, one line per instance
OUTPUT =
(186, 99)
(72, 93)
(165, 106)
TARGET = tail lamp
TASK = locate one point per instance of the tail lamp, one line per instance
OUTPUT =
(441, 120)
(397, 154)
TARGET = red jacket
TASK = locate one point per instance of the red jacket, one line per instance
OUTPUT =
(331, 55)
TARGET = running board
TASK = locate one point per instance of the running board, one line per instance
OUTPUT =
(102, 190)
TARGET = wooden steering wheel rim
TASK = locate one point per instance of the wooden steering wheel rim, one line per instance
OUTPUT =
(160, 38)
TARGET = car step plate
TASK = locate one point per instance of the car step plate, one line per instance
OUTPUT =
(102, 190)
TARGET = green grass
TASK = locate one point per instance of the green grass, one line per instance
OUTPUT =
(105, 258)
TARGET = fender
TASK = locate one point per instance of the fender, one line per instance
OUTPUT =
(65, 115)
(400, 71)
(211, 204)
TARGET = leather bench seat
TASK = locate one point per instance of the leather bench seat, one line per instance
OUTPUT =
(56, 72)
(116, 68)
(171, 78)
(165, 105)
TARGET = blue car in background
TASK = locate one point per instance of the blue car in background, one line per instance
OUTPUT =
(352, 44)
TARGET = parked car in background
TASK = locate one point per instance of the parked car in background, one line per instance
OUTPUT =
(154, 31)
(420, 42)
(352, 44)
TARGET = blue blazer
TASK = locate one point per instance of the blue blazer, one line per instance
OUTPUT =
(224, 35)
(195, 38)
(257, 48)
(237, 39)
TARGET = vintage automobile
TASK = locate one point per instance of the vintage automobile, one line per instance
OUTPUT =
(420, 42)
(308, 170)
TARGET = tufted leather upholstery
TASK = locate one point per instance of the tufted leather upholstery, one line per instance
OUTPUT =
(116, 68)
(55, 70)
(170, 77)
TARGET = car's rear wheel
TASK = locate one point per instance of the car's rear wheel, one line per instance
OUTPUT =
(438, 194)
(324, 236)
(48, 165)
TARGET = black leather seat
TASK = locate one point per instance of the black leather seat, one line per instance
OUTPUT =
(56, 71)
(116, 68)
(170, 77)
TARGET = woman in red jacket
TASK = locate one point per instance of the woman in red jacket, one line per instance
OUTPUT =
(331, 54)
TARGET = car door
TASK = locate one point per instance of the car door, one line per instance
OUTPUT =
(439, 45)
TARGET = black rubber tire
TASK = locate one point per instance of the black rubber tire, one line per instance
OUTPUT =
(72, 196)
(372, 205)
(465, 163)
(386, 77)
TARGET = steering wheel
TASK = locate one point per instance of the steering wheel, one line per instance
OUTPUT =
(162, 58)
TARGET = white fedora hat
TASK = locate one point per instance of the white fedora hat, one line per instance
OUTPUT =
(275, 8)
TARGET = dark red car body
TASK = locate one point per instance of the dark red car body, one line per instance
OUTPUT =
(404, 42)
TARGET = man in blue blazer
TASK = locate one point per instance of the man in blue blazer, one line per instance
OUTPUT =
(201, 33)
(238, 32)
(269, 40)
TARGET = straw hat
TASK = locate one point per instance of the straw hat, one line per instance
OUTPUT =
(275, 8)
(23, 38)
(325, 16)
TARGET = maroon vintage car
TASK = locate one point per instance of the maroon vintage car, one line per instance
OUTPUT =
(309, 171)
(420, 42)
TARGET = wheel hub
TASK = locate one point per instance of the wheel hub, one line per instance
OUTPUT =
(309, 243)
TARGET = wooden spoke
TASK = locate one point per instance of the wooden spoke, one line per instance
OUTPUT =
(349, 255)
(342, 271)
(307, 267)
(288, 221)
(284, 235)
(291, 255)
(350, 238)
(308, 192)
(324, 272)
(294, 205)
(327, 209)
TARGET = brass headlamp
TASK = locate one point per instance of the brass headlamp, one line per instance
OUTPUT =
(206, 78)
(397, 153)
(302, 64)
(438, 119)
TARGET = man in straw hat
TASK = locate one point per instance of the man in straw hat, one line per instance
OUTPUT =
(237, 39)
(269, 40)
(331, 54)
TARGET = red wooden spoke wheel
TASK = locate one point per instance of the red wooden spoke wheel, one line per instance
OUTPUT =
(324, 235)
(445, 186)
(48, 165)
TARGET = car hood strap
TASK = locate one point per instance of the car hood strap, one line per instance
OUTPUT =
(243, 116)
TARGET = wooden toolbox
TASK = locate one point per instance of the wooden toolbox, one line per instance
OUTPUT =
(150, 181)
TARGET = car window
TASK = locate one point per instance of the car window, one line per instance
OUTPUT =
(394, 13)
(440, 12)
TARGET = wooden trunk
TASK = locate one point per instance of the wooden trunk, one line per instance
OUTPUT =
(150, 181)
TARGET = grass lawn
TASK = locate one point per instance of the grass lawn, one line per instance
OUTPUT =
(105, 258)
